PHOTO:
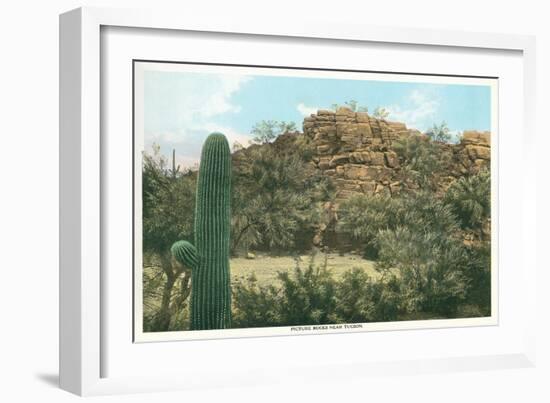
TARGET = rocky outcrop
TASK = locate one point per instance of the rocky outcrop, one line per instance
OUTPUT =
(359, 154)
(356, 151)
(474, 151)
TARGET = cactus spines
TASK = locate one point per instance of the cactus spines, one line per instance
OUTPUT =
(185, 253)
(209, 258)
(211, 293)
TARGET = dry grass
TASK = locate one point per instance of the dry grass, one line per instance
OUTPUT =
(265, 268)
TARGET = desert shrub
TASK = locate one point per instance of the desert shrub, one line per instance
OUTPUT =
(272, 196)
(312, 296)
(255, 305)
(440, 133)
(266, 131)
(308, 296)
(389, 300)
(430, 269)
(364, 217)
(423, 276)
(418, 239)
(359, 299)
(304, 297)
(168, 204)
(478, 274)
(423, 161)
(470, 199)
(381, 113)
(175, 314)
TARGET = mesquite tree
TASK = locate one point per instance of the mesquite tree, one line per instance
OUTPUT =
(163, 189)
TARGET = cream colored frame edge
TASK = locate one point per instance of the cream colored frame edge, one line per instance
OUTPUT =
(80, 165)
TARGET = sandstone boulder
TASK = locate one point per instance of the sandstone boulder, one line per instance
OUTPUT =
(377, 158)
(323, 149)
(357, 157)
(485, 138)
(478, 152)
(362, 117)
(475, 137)
(324, 163)
(356, 151)
(354, 171)
(339, 159)
(391, 159)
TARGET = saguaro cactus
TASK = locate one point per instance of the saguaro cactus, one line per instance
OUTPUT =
(210, 281)
(185, 253)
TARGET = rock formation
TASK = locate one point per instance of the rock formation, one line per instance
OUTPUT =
(359, 154)
(355, 151)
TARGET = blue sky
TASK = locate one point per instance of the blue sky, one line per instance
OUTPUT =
(182, 108)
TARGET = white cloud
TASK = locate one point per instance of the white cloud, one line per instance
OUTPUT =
(219, 102)
(208, 99)
(420, 111)
(306, 110)
(184, 109)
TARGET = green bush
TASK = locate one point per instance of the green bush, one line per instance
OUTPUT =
(168, 204)
(418, 239)
(359, 299)
(440, 133)
(430, 269)
(266, 131)
(423, 161)
(364, 217)
(478, 272)
(312, 296)
(254, 305)
(272, 198)
(470, 199)
(305, 297)
(308, 297)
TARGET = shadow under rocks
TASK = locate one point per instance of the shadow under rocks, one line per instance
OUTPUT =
(49, 379)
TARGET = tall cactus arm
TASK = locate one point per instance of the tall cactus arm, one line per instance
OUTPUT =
(185, 253)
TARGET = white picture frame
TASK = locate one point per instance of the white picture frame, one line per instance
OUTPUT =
(83, 173)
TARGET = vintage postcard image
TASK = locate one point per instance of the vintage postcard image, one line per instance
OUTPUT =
(280, 201)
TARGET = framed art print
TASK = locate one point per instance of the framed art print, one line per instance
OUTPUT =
(236, 200)
(337, 219)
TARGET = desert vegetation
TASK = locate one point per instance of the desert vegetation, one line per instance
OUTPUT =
(420, 253)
